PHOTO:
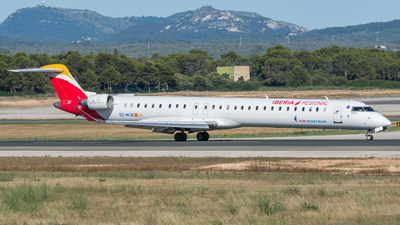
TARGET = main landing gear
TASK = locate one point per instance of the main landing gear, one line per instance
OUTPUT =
(180, 136)
(369, 135)
(201, 136)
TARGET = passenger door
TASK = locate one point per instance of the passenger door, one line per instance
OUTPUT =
(337, 115)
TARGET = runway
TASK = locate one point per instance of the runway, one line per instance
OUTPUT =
(385, 145)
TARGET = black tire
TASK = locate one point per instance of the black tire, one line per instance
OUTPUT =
(184, 136)
(370, 137)
(200, 136)
(179, 137)
(207, 136)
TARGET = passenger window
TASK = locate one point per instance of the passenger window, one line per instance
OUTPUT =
(304, 108)
(317, 109)
(280, 108)
(125, 105)
(152, 105)
(177, 105)
(249, 107)
(295, 109)
(195, 107)
(169, 106)
(265, 108)
(235, 107)
(160, 106)
(272, 108)
(138, 105)
(227, 107)
(184, 106)
(220, 107)
(242, 107)
(205, 107)
(310, 109)
(213, 107)
(131, 105)
(256, 108)
(145, 105)
(287, 109)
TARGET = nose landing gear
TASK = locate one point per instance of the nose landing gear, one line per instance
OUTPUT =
(369, 135)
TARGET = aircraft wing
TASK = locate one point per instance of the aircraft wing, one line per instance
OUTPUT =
(168, 126)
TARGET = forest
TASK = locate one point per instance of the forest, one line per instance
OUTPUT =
(196, 70)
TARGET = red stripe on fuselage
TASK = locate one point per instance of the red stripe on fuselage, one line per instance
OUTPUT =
(70, 95)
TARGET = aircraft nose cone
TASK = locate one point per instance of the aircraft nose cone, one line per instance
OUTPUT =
(386, 122)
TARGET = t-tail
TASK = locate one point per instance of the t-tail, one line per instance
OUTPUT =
(68, 90)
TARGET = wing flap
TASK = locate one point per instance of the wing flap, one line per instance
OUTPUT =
(166, 124)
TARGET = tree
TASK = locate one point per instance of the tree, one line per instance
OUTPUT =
(129, 70)
(89, 80)
(110, 77)
(165, 75)
(299, 77)
(148, 76)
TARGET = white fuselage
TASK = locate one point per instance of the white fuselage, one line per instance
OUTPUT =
(227, 113)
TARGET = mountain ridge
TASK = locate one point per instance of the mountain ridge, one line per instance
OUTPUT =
(58, 24)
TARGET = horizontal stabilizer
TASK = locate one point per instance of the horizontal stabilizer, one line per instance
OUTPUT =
(43, 70)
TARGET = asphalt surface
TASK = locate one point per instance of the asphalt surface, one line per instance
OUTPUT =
(221, 145)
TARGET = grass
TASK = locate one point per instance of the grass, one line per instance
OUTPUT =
(174, 198)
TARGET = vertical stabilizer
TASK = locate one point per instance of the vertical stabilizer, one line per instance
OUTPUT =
(64, 83)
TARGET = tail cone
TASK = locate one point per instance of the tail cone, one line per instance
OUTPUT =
(57, 105)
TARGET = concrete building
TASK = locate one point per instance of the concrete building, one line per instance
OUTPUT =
(235, 72)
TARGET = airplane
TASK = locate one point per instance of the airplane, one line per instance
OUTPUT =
(177, 115)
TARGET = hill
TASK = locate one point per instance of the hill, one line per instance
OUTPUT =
(50, 23)
(364, 32)
(208, 23)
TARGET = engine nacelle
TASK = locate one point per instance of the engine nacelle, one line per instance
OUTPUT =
(98, 102)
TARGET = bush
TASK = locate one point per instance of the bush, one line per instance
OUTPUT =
(267, 205)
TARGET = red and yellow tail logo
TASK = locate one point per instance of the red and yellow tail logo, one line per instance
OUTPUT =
(66, 86)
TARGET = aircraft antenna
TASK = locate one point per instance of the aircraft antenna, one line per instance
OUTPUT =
(266, 97)
(326, 98)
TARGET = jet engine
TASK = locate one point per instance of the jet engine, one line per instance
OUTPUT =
(98, 102)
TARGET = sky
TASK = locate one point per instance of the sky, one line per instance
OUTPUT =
(314, 14)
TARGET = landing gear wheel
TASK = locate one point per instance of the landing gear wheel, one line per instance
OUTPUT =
(184, 136)
(179, 137)
(369, 136)
(203, 136)
(207, 136)
(200, 136)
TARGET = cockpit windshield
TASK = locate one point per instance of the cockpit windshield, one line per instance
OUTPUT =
(368, 109)
(362, 109)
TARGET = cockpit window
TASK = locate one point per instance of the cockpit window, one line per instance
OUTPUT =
(357, 109)
(368, 109)
(362, 109)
